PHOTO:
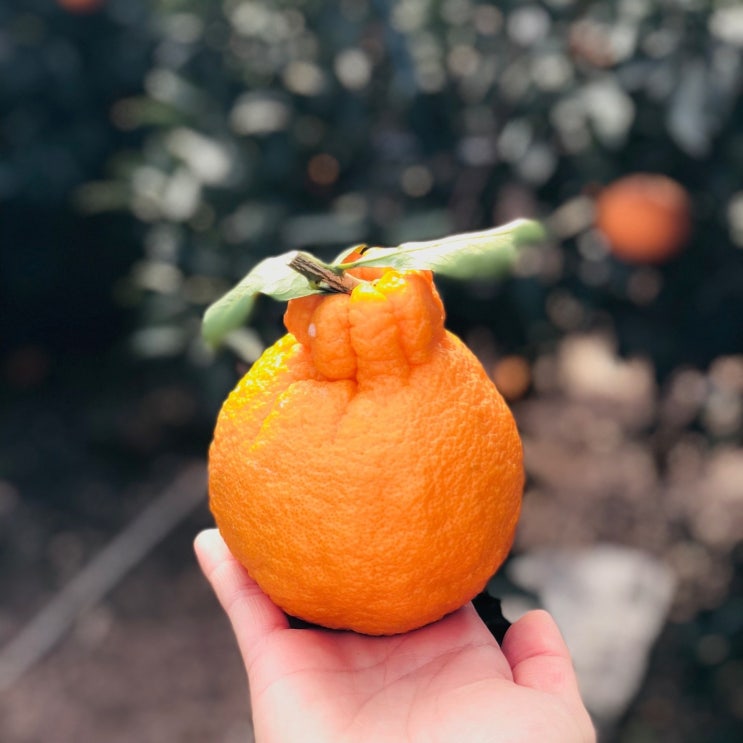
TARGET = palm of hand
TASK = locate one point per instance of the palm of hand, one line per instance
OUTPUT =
(449, 681)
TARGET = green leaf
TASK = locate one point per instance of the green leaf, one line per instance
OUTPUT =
(272, 277)
(486, 254)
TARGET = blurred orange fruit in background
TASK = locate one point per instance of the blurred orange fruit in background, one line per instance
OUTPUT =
(512, 376)
(645, 217)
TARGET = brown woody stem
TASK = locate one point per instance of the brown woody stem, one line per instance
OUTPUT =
(323, 277)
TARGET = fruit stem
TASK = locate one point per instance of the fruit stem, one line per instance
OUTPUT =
(323, 277)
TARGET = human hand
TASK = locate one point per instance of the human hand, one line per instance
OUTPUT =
(449, 681)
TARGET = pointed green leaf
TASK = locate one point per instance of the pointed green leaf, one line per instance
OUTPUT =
(272, 277)
(486, 254)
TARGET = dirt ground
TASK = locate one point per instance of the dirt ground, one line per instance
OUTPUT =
(155, 659)
(154, 662)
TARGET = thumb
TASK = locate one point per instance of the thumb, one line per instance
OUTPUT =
(252, 614)
(539, 658)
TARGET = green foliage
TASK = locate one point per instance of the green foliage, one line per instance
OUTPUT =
(61, 74)
(276, 126)
(486, 254)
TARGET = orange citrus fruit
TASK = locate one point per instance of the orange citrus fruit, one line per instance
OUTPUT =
(645, 217)
(365, 471)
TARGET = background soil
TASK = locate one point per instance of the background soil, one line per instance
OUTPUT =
(156, 660)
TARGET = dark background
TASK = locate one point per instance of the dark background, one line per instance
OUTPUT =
(151, 153)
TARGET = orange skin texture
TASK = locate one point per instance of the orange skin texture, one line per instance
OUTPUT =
(645, 217)
(366, 472)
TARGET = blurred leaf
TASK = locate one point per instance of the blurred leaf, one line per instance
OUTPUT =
(486, 254)
(690, 118)
(141, 111)
(101, 196)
